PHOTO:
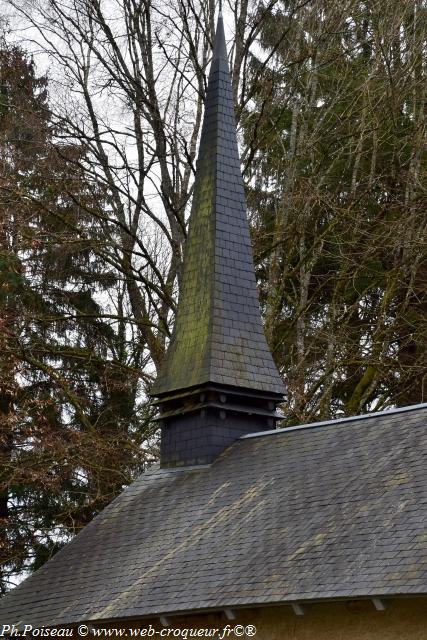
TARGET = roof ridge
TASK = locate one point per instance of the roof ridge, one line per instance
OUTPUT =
(311, 425)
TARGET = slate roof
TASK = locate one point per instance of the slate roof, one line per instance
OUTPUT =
(218, 335)
(337, 510)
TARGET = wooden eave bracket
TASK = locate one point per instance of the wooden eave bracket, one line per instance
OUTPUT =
(379, 604)
(298, 609)
(229, 614)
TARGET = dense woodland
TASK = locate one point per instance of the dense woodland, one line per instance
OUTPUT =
(100, 113)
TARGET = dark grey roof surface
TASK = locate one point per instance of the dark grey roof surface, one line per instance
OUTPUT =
(331, 511)
(218, 335)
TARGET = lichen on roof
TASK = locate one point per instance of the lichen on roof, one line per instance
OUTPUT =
(270, 521)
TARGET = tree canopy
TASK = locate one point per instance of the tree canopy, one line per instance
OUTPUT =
(336, 167)
(72, 427)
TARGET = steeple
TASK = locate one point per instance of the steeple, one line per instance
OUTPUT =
(218, 359)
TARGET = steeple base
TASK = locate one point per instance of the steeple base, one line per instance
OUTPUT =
(196, 426)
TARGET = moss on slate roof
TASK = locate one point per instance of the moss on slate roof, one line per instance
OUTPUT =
(325, 512)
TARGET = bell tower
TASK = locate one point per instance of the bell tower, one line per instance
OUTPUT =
(218, 380)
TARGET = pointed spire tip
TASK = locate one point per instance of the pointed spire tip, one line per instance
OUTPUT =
(220, 48)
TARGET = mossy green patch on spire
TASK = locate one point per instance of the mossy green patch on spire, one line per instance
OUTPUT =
(187, 359)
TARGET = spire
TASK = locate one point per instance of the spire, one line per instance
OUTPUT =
(218, 334)
(218, 337)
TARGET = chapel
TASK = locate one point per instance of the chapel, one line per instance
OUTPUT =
(314, 532)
